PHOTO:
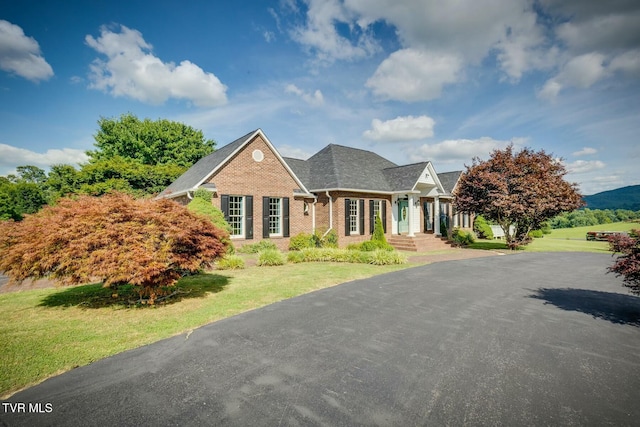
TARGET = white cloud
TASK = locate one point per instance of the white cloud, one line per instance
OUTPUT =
(315, 99)
(132, 70)
(406, 128)
(627, 62)
(413, 75)
(11, 156)
(601, 32)
(584, 166)
(581, 72)
(21, 55)
(461, 150)
(320, 36)
(585, 151)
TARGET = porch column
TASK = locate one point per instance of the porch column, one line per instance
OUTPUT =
(436, 216)
(410, 214)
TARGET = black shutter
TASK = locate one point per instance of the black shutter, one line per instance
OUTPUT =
(285, 217)
(372, 219)
(248, 207)
(224, 206)
(347, 229)
(265, 217)
(361, 213)
(384, 215)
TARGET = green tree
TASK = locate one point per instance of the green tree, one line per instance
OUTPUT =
(149, 142)
(521, 189)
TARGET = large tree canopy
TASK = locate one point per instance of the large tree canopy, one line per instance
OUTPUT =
(149, 142)
(520, 189)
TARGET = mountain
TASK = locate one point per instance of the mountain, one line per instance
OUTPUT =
(620, 198)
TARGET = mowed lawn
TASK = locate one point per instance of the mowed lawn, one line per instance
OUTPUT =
(565, 239)
(48, 331)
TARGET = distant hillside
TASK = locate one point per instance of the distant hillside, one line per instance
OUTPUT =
(620, 198)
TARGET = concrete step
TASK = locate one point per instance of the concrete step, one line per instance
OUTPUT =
(418, 243)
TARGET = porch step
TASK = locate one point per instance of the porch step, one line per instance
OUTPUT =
(418, 243)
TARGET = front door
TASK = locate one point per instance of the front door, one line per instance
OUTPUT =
(403, 216)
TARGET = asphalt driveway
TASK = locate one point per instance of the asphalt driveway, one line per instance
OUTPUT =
(526, 339)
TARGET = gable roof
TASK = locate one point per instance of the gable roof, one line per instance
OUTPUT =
(449, 180)
(197, 174)
(335, 167)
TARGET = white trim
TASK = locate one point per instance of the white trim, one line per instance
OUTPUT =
(429, 168)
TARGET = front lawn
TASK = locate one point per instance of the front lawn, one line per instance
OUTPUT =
(48, 331)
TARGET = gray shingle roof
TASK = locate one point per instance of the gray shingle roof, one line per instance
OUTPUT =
(449, 180)
(404, 177)
(336, 166)
(203, 167)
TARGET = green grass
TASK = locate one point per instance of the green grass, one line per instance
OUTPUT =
(48, 331)
(563, 240)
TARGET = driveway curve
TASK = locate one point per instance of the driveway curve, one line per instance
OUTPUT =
(525, 339)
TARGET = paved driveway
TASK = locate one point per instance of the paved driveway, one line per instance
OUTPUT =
(526, 339)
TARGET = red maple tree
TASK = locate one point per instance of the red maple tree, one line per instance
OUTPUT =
(516, 190)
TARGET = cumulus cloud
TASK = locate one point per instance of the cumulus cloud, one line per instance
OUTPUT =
(413, 75)
(315, 99)
(320, 35)
(584, 166)
(21, 55)
(11, 156)
(461, 150)
(131, 70)
(581, 72)
(406, 128)
(585, 151)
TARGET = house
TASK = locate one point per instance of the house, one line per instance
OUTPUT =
(264, 195)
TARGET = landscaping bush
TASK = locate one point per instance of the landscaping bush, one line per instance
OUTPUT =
(379, 257)
(382, 257)
(203, 194)
(201, 206)
(230, 262)
(295, 257)
(536, 234)
(302, 240)
(330, 240)
(254, 248)
(115, 239)
(370, 245)
(627, 264)
(482, 228)
(378, 231)
(271, 257)
(462, 238)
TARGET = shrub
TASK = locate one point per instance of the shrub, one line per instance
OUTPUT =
(330, 240)
(462, 238)
(386, 258)
(378, 231)
(203, 194)
(203, 207)
(115, 239)
(271, 257)
(254, 248)
(230, 262)
(536, 234)
(627, 264)
(370, 246)
(301, 241)
(482, 227)
(295, 257)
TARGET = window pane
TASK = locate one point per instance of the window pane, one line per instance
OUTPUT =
(236, 215)
(275, 215)
(353, 216)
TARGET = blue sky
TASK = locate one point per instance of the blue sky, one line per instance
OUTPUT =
(412, 80)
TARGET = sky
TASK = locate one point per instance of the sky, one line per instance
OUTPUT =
(411, 80)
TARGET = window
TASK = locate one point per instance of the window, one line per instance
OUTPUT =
(353, 217)
(377, 209)
(236, 215)
(275, 216)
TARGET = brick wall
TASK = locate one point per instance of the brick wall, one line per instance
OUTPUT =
(243, 176)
